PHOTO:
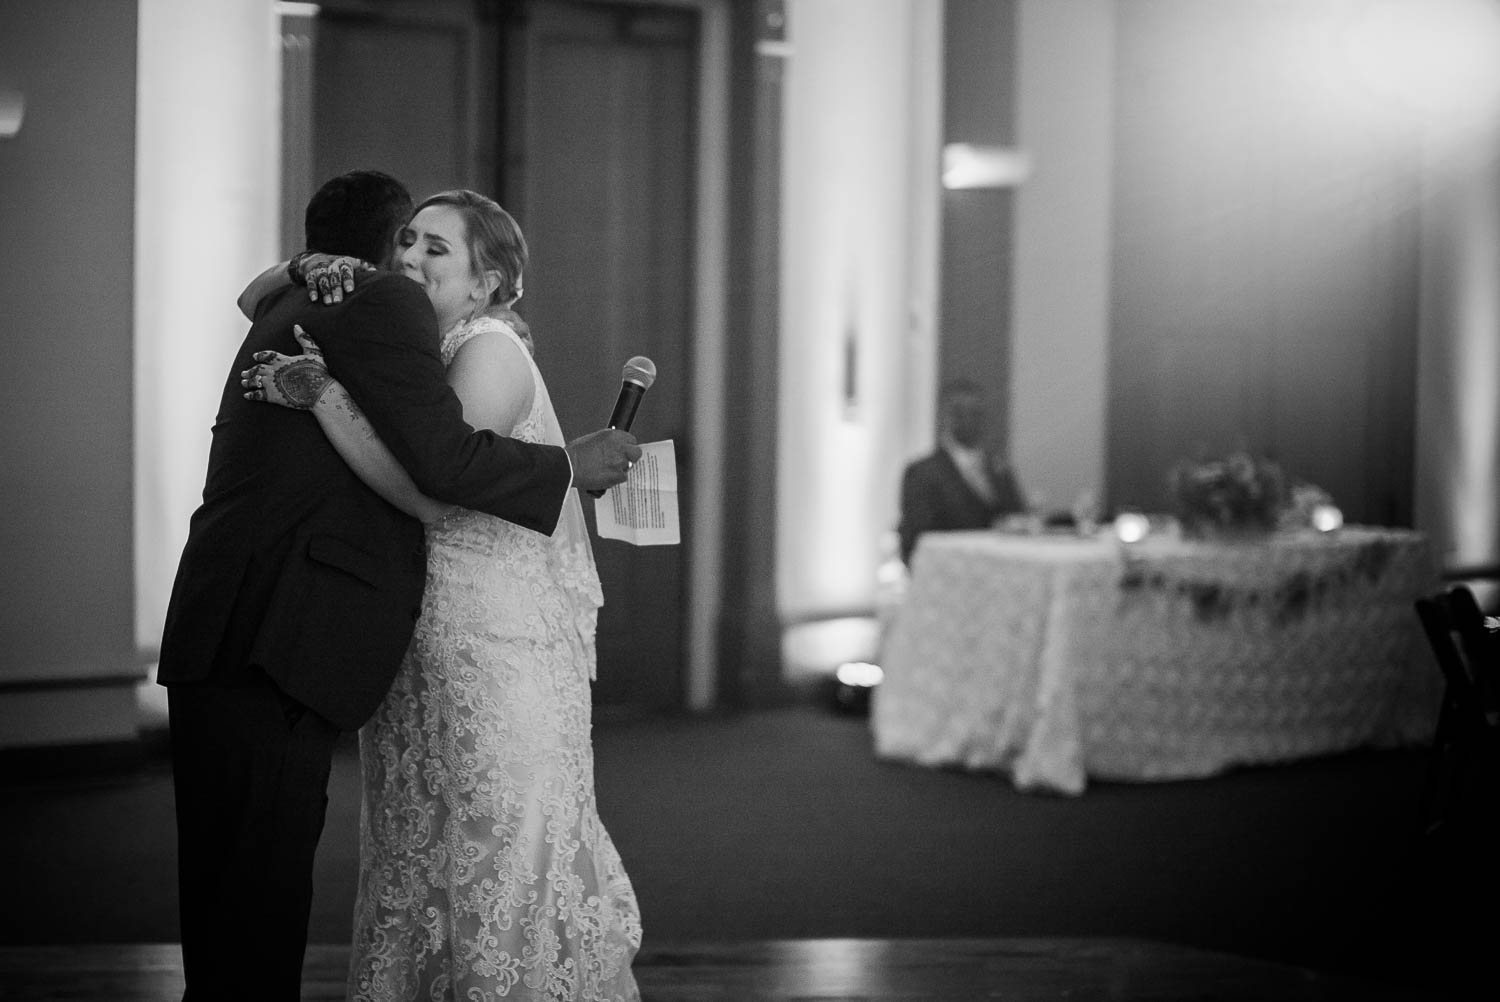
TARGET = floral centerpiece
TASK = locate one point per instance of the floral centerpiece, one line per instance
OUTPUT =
(1234, 495)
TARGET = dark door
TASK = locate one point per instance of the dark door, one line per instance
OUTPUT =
(600, 110)
(402, 95)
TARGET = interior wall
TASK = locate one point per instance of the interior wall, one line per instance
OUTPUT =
(67, 195)
(208, 191)
(1264, 256)
(1060, 301)
(1458, 369)
(748, 634)
(847, 289)
(976, 268)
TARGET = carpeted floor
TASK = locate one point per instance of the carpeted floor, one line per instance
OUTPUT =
(781, 824)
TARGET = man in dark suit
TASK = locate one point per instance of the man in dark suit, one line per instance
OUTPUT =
(960, 485)
(299, 588)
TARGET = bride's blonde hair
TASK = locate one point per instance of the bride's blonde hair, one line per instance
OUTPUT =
(495, 239)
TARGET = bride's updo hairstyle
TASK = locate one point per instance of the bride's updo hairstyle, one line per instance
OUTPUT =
(495, 240)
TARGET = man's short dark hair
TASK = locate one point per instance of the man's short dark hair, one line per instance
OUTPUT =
(358, 214)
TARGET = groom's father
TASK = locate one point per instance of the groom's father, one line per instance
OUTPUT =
(299, 588)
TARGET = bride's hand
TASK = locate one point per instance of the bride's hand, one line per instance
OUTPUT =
(295, 381)
(329, 276)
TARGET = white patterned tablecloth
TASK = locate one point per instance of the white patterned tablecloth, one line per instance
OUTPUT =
(1059, 658)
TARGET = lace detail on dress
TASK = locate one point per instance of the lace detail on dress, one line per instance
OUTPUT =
(485, 872)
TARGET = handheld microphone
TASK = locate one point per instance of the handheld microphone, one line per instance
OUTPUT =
(636, 378)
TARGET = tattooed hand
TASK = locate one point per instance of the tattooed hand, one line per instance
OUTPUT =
(295, 381)
(329, 276)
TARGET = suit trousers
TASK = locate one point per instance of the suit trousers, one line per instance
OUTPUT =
(250, 774)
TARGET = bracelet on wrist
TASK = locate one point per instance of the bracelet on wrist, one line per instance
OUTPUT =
(294, 267)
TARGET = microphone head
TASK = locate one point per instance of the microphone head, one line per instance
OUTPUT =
(641, 371)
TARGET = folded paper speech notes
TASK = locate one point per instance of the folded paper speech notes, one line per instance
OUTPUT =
(643, 510)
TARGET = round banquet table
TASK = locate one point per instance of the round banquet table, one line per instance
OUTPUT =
(1058, 658)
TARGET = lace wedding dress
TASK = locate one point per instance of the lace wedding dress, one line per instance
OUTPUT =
(485, 872)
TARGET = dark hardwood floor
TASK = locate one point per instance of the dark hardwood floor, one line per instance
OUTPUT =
(828, 970)
(804, 868)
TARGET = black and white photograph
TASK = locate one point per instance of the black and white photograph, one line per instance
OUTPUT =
(750, 500)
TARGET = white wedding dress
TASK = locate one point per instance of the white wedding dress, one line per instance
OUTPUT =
(485, 872)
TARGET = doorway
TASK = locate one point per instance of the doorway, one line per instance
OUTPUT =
(583, 119)
(598, 165)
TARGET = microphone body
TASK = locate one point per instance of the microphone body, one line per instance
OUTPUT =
(629, 399)
(635, 380)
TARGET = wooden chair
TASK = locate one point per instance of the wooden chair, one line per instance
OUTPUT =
(1456, 862)
(1464, 786)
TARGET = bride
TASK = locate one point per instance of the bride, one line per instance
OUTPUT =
(485, 871)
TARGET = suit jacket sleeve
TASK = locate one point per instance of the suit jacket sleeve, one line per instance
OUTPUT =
(384, 350)
(918, 507)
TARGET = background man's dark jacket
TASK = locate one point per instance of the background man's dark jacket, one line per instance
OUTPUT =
(935, 497)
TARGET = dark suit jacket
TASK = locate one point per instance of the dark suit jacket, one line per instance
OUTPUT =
(936, 497)
(292, 565)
